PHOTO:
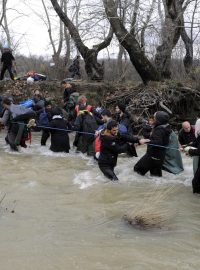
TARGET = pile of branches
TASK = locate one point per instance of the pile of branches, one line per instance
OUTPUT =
(20, 90)
(180, 102)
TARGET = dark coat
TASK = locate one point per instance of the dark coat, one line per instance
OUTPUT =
(67, 93)
(59, 138)
(186, 138)
(160, 136)
(111, 146)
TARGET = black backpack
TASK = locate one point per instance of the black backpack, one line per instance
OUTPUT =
(89, 125)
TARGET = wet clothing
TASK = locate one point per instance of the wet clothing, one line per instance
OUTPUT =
(110, 147)
(186, 138)
(153, 159)
(18, 131)
(44, 120)
(7, 60)
(196, 179)
(173, 161)
(85, 122)
(59, 138)
(146, 130)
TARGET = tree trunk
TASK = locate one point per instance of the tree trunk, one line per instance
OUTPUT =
(93, 68)
(188, 59)
(170, 35)
(143, 66)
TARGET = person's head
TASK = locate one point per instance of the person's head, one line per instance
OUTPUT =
(120, 108)
(112, 128)
(6, 103)
(36, 92)
(106, 115)
(151, 120)
(66, 84)
(57, 111)
(161, 118)
(47, 105)
(82, 100)
(186, 126)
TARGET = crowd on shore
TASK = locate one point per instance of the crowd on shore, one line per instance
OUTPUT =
(102, 134)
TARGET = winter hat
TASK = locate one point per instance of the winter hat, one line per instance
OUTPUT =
(161, 117)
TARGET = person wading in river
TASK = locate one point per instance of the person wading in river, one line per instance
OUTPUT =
(111, 146)
(153, 159)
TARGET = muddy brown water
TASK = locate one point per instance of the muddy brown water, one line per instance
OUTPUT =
(59, 212)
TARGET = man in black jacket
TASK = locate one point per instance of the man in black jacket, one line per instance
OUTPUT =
(153, 159)
(111, 146)
(8, 62)
(68, 100)
(186, 134)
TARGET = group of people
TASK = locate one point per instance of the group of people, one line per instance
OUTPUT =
(101, 134)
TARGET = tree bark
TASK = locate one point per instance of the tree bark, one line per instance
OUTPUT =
(171, 33)
(188, 58)
(143, 66)
(93, 68)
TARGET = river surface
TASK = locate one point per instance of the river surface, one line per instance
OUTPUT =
(57, 211)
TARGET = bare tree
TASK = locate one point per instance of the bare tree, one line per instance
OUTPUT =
(144, 67)
(93, 68)
(173, 28)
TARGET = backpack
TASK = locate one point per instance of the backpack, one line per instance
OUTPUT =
(70, 104)
(89, 125)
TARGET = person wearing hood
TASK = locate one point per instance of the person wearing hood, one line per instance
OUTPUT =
(111, 146)
(123, 117)
(194, 151)
(58, 128)
(159, 139)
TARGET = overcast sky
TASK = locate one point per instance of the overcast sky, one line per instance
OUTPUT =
(28, 29)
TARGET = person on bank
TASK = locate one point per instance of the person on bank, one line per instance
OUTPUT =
(153, 159)
(111, 146)
(8, 63)
(68, 100)
(74, 68)
(186, 135)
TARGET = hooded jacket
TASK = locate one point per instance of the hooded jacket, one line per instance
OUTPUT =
(159, 137)
(111, 146)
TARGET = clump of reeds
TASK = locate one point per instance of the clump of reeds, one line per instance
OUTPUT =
(151, 213)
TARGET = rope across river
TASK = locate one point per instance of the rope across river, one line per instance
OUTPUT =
(90, 133)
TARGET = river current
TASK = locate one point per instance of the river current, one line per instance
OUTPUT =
(57, 211)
